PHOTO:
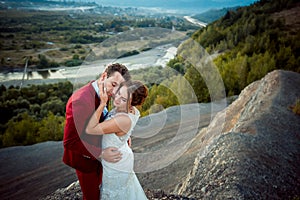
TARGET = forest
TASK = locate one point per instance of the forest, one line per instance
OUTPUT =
(250, 42)
(33, 114)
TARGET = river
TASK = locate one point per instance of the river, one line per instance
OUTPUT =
(195, 21)
(88, 71)
(157, 56)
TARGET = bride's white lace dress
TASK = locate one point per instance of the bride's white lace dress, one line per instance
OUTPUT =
(119, 180)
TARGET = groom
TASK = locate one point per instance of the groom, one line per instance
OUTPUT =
(81, 151)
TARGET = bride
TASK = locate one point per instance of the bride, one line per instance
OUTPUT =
(119, 180)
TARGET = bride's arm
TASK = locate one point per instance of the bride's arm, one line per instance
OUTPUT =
(119, 124)
(94, 120)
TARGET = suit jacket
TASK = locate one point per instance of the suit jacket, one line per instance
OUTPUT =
(80, 149)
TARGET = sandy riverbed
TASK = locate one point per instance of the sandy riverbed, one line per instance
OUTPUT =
(88, 71)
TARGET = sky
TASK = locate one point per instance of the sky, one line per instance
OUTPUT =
(188, 5)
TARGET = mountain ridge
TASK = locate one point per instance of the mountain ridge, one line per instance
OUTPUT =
(182, 4)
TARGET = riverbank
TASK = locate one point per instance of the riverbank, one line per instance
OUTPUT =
(195, 21)
(87, 71)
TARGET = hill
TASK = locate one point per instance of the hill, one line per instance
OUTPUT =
(184, 6)
(257, 154)
(213, 14)
(249, 43)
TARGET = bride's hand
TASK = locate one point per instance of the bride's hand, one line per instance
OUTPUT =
(103, 93)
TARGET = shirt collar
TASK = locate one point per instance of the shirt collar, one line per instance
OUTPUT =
(95, 86)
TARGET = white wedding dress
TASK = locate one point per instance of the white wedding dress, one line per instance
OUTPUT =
(119, 182)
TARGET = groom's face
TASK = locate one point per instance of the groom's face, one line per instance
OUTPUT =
(113, 82)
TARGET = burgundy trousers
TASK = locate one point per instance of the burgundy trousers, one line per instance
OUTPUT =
(89, 183)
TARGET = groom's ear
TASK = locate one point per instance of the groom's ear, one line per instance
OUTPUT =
(103, 76)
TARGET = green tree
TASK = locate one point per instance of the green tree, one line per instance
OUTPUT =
(164, 95)
(21, 130)
(35, 109)
(177, 64)
(198, 84)
(51, 128)
(183, 92)
(43, 61)
(55, 105)
(260, 65)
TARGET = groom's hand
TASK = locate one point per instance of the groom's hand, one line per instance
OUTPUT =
(111, 154)
(129, 142)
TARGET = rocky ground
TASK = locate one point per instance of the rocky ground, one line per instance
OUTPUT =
(33, 171)
(73, 192)
(257, 154)
(37, 171)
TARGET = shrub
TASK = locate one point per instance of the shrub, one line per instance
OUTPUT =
(296, 108)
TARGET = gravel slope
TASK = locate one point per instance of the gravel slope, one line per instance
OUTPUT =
(33, 172)
(30, 172)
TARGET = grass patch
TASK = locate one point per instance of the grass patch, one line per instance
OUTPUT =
(296, 107)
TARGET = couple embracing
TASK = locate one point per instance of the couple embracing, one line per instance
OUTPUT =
(97, 141)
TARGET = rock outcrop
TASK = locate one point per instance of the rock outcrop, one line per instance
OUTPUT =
(257, 155)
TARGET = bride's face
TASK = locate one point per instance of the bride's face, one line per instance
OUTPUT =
(121, 99)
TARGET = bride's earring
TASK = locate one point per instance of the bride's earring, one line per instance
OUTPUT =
(131, 109)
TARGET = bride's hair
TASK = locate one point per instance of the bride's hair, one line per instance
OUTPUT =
(139, 92)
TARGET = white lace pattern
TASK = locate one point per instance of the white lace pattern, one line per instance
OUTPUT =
(119, 182)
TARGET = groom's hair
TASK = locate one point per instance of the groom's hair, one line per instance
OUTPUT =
(117, 67)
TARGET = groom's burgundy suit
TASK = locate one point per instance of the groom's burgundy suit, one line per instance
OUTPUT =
(81, 150)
